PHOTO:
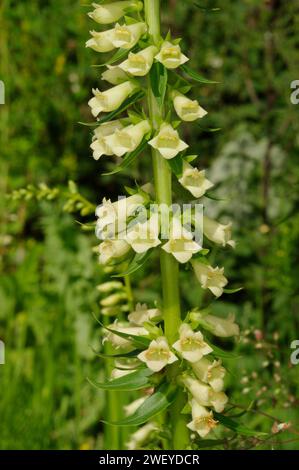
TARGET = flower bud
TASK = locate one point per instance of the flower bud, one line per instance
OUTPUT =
(111, 99)
(132, 407)
(187, 109)
(142, 314)
(139, 64)
(168, 142)
(111, 12)
(222, 327)
(171, 55)
(194, 180)
(113, 299)
(217, 233)
(139, 437)
(109, 286)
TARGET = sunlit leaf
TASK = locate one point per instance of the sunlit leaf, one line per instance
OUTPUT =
(134, 381)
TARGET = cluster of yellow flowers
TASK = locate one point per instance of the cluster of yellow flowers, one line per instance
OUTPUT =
(122, 236)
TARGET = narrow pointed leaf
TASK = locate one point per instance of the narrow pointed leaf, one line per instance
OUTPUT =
(138, 261)
(195, 76)
(232, 291)
(133, 381)
(153, 405)
(158, 79)
(138, 341)
(237, 427)
(128, 159)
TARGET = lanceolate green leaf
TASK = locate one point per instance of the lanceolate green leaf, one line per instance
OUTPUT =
(158, 80)
(133, 381)
(118, 356)
(195, 76)
(218, 352)
(128, 159)
(232, 291)
(235, 426)
(153, 405)
(137, 262)
(176, 165)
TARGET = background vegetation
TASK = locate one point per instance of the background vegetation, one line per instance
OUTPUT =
(49, 273)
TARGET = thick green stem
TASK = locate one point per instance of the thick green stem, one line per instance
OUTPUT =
(169, 266)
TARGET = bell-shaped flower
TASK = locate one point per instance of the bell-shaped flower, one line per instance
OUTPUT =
(210, 278)
(110, 12)
(194, 180)
(222, 327)
(181, 244)
(191, 345)
(126, 36)
(188, 110)
(101, 41)
(111, 99)
(111, 250)
(118, 341)
(132, 407)
(202, 420)
(211, 373)
(142, 314)
(218, 233)
(168, 142)
(116, 213)
(204, 394)
(114, 75)
(139, 64)
(99, 144)
(171, 56)
(139, 438)
(128, 139)
(158, 355)
(145, 235)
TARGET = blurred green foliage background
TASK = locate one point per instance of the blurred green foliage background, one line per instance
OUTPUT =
(49, 272)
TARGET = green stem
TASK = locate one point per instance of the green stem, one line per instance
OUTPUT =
(169, 266)
(129, 291)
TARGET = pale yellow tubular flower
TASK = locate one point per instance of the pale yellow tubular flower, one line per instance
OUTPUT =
(101, 41)
(142, 314)
(205, 395)
(158, 355)
(171, 56)
(129, 138)
(210, 278)
(110, 12)
(126, 36)
(188, 110)
(194, 180)
(181, 244)
(116, 213)
(139, 437)
(139, 64)
(191, 345)
(111, 250)
(222, 327)
(114, 75)
(210, 372)
(111, 99)
(168, 142)
(99, 144)
(143, 236)
(218, 233)
(202, 420)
